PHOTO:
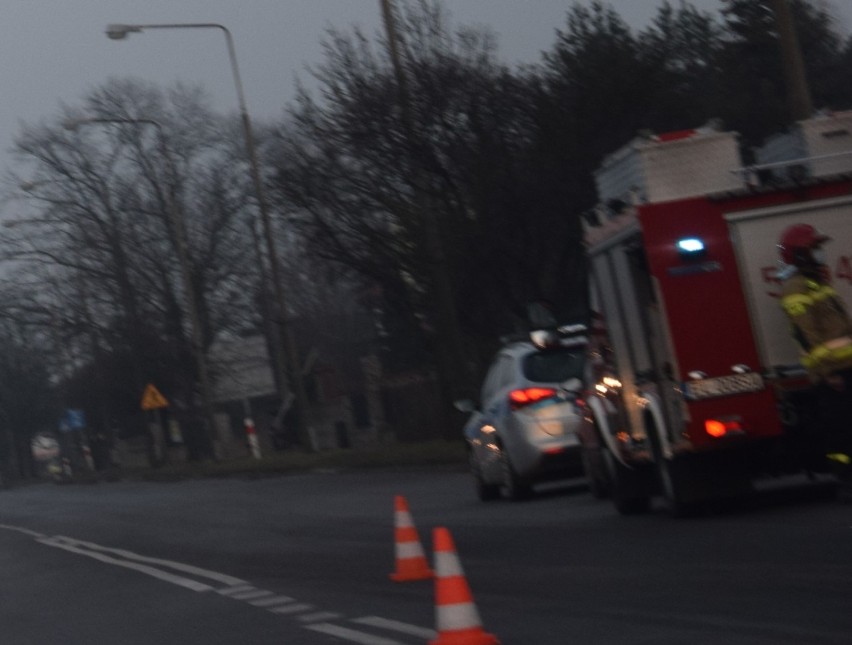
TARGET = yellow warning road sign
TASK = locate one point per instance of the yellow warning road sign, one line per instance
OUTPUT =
(152, 398)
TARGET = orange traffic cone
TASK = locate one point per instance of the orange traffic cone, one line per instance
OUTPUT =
(456, 617)
(411, 562)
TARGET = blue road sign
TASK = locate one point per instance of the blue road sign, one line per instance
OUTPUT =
(75, 419)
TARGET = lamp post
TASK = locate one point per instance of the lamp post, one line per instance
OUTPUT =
(287, 341)
(186, 272)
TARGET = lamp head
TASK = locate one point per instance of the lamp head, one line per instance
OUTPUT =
(119, 32)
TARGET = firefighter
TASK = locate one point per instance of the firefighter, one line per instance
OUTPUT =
(823, 329)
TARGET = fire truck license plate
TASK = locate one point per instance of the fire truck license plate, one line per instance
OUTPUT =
(723, 385)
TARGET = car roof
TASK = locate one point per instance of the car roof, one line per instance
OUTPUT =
(518, 349)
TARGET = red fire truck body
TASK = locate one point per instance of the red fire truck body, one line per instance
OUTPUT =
(698, 383)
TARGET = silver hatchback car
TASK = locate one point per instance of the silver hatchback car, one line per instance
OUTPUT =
(525, 428)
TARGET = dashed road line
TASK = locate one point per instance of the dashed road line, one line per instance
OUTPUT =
(313, 618)
(229, 591)
(292, 608)
(318, 616)
(269, 602)
(396, 625)
(352, 634)
(252, 595)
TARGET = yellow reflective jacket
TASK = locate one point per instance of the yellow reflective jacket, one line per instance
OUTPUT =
(821, 325)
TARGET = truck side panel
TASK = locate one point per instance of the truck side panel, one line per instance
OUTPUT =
(609, 287)
(634, 315)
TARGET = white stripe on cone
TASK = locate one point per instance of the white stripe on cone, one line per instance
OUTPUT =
(459, 616)
(405, 550)
(447, 564)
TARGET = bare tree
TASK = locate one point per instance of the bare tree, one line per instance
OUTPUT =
(352, 168)
(97, 220)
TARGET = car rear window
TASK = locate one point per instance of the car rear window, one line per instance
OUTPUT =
(554, 366)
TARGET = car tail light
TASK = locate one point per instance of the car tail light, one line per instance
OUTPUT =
(529, 395)
(723, 427)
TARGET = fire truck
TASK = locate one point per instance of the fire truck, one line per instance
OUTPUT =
(697, 389)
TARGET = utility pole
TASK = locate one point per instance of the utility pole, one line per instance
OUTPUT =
(798, 93)
(452, 363)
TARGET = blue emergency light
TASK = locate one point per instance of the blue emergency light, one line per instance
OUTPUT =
(690, 246)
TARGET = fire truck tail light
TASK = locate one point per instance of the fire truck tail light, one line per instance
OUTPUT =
(723, 427)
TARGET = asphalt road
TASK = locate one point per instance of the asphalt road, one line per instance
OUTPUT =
(305, 560)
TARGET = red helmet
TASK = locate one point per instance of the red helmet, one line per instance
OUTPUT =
(799, 236)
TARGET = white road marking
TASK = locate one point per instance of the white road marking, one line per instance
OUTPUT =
(269, 602)
(395, 625)
(251, 595)
(22, 530)
(318, 616)
(292, 608)
(194, 585)
(238, 589)
(177, 566)
(351, 634)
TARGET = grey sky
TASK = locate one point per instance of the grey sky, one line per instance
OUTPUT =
(55, 50)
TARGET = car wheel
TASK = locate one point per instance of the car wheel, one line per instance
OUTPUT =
(623, 487)
(516, 487)
(484, 491)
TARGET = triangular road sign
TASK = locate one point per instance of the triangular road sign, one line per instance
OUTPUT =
(152, 399)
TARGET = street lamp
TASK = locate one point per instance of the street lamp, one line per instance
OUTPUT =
(287, 341)
(176, 223)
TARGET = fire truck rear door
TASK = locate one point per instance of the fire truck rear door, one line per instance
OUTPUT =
(755, 234)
